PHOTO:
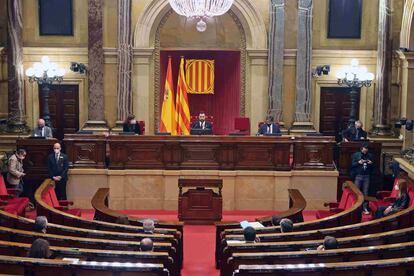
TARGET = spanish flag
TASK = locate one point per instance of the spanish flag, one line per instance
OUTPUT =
(168, 122)
(181, 104)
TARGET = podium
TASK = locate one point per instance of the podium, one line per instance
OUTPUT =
(199, 205)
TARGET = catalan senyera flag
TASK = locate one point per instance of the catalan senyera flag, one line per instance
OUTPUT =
(181, 104)
(168, 122)
(200, 76)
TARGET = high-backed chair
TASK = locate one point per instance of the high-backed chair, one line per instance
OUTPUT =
(50, 198)
(142, 126)
(242, 125)
(9, 202)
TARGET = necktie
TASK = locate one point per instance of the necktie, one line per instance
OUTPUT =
(57, 157)
(42, 132)
(268, 129)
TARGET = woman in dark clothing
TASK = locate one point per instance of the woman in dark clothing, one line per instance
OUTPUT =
(131, 125)
(401, 202)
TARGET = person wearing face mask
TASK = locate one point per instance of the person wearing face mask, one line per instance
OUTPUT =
(269, 127)
(42, 130)
(131, 125)
(15, 171)
(57, 166)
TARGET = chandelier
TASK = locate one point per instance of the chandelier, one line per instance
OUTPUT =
(200, 9)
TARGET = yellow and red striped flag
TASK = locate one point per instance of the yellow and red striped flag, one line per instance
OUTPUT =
(168, 122)
(181, 104)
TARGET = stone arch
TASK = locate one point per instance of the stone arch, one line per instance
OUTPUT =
(247, 13)
(406, 24)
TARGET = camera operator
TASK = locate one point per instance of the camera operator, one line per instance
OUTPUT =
(361, 169)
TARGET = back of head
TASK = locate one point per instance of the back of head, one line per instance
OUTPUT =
(275, 220)
(146, 245)
(40, 224)
(39, 249)
(123, 219)
(286, 225)
(148, 225)
(330, 243)
(249, 234)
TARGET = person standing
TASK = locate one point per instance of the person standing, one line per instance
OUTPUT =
(15, 171)
(57, 166)
(42, 130)
(362, 167)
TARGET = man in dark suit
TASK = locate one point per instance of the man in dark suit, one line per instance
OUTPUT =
(42, 130)
(202, 123)
(269, 127)
(57, 166)
(354, 133)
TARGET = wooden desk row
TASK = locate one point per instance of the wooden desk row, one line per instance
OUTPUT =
(201, 152)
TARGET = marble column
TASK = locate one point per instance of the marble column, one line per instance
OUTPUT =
(303, 119)
(383, 78)
(276, 54)
(125, 59)
(96, 107)
(16, 105)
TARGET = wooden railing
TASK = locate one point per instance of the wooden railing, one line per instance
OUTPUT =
(201, 152)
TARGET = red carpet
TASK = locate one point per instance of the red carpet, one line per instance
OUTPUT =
(199, 240)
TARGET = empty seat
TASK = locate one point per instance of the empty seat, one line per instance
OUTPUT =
(336, 207)
(50, 198)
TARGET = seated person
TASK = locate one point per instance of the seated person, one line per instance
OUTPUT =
(131, 125)
(148, 226)
(40, 249)
(202, 123)
(401, 202)
(122, 219)
(250, 235)
(146, 245)
(354, 133)
(42, 130)
(40, 225)
(328, 243)
(269, 127)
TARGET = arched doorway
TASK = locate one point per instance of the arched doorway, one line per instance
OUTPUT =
(224, 42)
(250, 24)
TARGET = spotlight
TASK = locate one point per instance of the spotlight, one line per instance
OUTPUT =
(321, 70)
(78, 67)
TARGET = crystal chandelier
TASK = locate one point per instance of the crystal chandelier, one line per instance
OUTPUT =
(201, 9)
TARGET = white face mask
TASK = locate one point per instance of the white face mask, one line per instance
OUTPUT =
(133, 122)
(397, 188)
(57, 151)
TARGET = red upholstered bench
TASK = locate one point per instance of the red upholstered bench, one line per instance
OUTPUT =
(9, 202)
(50, 198)
(337, 207)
